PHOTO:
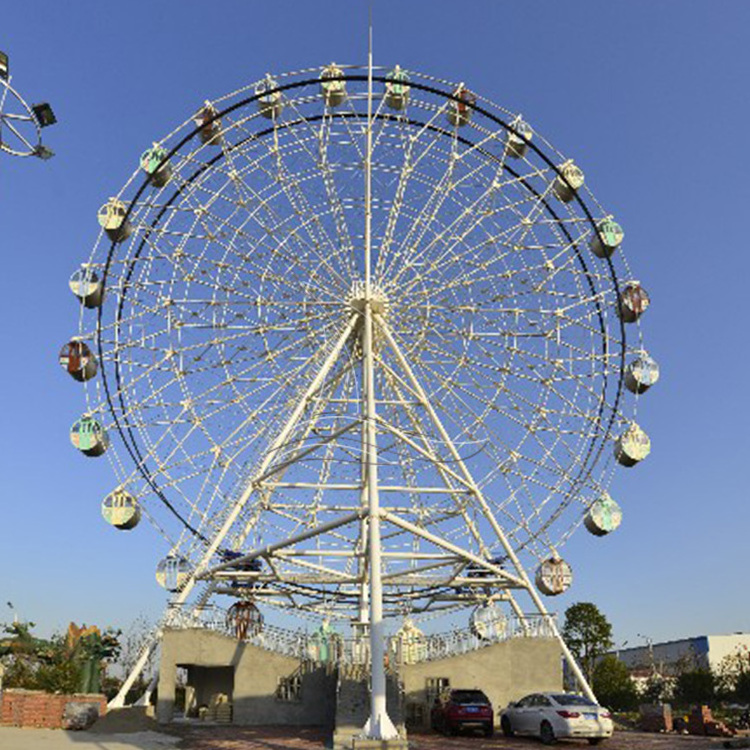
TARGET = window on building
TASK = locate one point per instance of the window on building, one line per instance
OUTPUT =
(289, 689)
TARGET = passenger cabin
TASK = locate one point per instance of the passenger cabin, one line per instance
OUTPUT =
(554, 576)
(568, 182)
(86, 285)
(397, 88)
(78, 361)
(460, 108)
(244, 618)
(112, 218)
(632, 446)
(516, 141)
(121, 510)
(270, 102)
(172, 573)
(488, 622)
(89, 436)
(208, 124)
(152, 163)
(632, 302)
(641, 373)
(333, 90)
(607, 238)
(603, 517)
(44, 114)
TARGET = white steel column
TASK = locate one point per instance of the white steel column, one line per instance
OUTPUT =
(378, 726)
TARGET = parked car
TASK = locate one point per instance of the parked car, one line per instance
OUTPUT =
(550, 716)
(462, 709)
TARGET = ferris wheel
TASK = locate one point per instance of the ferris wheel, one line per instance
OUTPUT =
(21, 124)
(360, 343)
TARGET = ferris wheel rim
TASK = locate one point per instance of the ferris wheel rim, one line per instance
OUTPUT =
(208, 165)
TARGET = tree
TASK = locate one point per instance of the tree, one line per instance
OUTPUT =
(613, 685)
(656, 689)
(733, 676)
(63, 664)
(697, 686)
(588, 635)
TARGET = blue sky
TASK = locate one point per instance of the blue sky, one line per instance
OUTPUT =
(649, 97)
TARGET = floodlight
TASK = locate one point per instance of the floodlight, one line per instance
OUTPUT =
(43, 152)
(44, 114)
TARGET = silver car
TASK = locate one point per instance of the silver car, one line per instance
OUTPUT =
(550, 716)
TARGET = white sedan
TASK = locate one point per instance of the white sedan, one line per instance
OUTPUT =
(550, 716)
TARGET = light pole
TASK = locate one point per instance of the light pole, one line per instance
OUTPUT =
(650, 646)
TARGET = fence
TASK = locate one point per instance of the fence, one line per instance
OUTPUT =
(325, 646)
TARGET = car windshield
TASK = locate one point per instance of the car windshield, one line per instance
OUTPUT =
(572, 700)
(468, 696)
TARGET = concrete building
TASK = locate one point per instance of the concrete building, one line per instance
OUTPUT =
(670, 657)
(263, 686)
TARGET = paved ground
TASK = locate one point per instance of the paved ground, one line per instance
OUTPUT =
(12, 738)
(620, 741)
(281, 738)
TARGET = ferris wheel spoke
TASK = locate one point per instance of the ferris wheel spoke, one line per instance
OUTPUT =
(449, 252)
(467, 212)
(250, 196)
(409, 166)
(427, 214)
(299, 202)
(320, 157)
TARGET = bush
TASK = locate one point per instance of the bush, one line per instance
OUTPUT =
(695, 687)
(742, 688)
(656, 689)
(613, 685)
(60, 677)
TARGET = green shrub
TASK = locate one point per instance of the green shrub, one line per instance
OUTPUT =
(613, 685)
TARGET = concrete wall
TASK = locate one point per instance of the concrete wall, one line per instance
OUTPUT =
(504, 671)
(256, 678)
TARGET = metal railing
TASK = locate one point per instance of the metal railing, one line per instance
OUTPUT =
(333, 649)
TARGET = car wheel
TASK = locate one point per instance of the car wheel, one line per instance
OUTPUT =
(546, 733)
(506, 727)
(595, 740)
(451, 729)
(489, 730)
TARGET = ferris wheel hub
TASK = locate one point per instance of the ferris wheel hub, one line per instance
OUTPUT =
(357, 298)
